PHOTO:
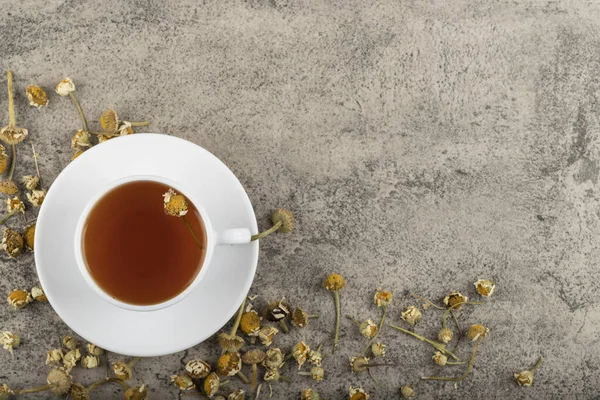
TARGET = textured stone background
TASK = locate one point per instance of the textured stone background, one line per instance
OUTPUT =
(422, 145)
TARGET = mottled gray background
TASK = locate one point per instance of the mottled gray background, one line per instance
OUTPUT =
(421, 144)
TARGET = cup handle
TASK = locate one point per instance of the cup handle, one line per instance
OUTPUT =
(234, 236)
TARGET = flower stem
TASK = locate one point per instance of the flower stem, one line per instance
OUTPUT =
(267, 232)
(236, 323)
(438, 346)
(35, 390)
(37, 167)
(132, 362)
(285, 379)
(6, 217)
(192, 232)
(283, 326)
(12, 118)
(139, 123)
(379, 327)
(243, 377)
(353, 320)
(431, 303)
(254, 375)
(338, 314)
(80, 111)
(13, 163)
(103, 381)
(458, 378)
(537, 364)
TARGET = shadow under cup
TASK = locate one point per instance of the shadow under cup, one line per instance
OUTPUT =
(133, 253)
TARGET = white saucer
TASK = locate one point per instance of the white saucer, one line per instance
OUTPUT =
(153, 333)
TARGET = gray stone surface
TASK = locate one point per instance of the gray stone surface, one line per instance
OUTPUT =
(421, 144)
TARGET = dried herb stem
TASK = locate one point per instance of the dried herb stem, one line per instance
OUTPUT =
(37, 167)
(283, 326)
(139, 123)
(267, 232)
(6, 217)
(537, 364)
(80, 111)
(353, 320)
(35, 390)
(192, 232)
(338, 316)
(458, 328)
(103, 381)
(285, 379)
(13, 162)
(431, 303)
(243, 377)
(132, 362)
(458, 378)
(438, 346)
(238, 318)
(379, 327)
(254, 376)
(12, 118)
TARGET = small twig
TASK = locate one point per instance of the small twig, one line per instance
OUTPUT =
(35, 390)
(537, 364)
(431, 303)
(192, 232)
(438, 346)
(459, 378)
(13, 162)
(35, 160)
(80, 111)
(267, 232)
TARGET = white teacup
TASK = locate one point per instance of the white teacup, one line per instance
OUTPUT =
(228, 237)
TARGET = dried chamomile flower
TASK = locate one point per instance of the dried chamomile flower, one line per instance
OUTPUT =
(37, 96)
(317, 373)
(94, 350)
(11, 134)
(229, 364)
(525, 378)
(5, 392)
(103, 138)
(407, 392)
(277, 310)
(77, 154)
(14, 205)
(36, 197)
(124, 128)
(440, 359)
(211, 384)
(445, 335)
(175, 204)
(358, 394)
(300, 318)
(334, 282)
(60, 380)
(90, 361)
(485, 287)
(19, 298)
(411, 315)
(359, 364)
(237, 394)
(368, 329)
(3, 159)
(300, 353)
(284, 218)
(12, 242)
(122, 370)
(80, 140)
(78, 392)
(266, 334)
(274, 358)
(272, 375)
(30, 181)
(183, 382)
(254, 357)
(230, 342)
(29, 236)
(382, 298)
(8, 187)
(9, 340)
(455, 298)
(197, 369)
(70, 342)
(65, 87)
(38, 294)
(250, 323)
(378, 349)
(70, 359)
(315, 357)
(54, 356)
(477, 331)
(309, 394)
(109, 121)
(136, 393)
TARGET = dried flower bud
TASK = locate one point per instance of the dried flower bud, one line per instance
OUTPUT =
(197, 369)
(3, 159)
(14, 205)
(358, 394)
(309, 394)
(37, 96)
(485, 287)
(440, 359)
(211, 384)
(273, 358)
(5, 392)
(19, 298)
(378, 349)
(38, 294)
(30, 181)
(136, 393)
(382, 298)
(9, 340)
(90, 361)
(80, 139)
(94, 350)
(300, 352)
(368, 329)
(524, 378)
(266, 334)
(70, 342)
(334, 282)
(230, 342)
(65, 87)
(70, 359)
(254, 356)
(477, 332)
(109, 121)
(175, 204)
(315, 357)
(54, 357)
(277, 310)
(77, 154)
(12, 136)
(359, 364)
(78, 392)
(300, 317)
(455, 298)
(12, 242)
(183, 382)
(407, 392)
(122, 370)
(60, 380)
(36, 197)
(317, 373)
(272, 375)
(8, 187)
(445, 335)
(29, 236)
(411, 315)
(238, 394)
(285, 217)
(124, 129)
(250, 323)
(229, 364)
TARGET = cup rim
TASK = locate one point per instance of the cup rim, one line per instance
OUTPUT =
(78, 243)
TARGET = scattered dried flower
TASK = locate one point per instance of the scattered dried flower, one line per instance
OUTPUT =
(485, 287)
(229, 342)
(94, 350)
(80, 140)
(197, 369)
(19, 298)
(65, 87)
(122, 370)
(109, 121)
(30, 181)
(103, 138)
(54, 356)
(14, 205)
(70, 359)
(378, 349)
(78, 392)
(237, 394)
(317, 373)
(309, 394)
(5, 392)
(300, 353)
(477, 331)
(300, 318)
(29, 236)
(454, 300)
(90, 361)
(272, 375)
(334, 283)
(382, 298)
(266, 334)
(70, 342)
(8, 187)
(124, 129)
(274, 358)
(183, 382)
(359, 364)
(411, 315)
(407, 392)
(175, 204)
(60, 380)
(38, 294)
(77, 154)
(9, 340)
(525, 378)
(229, 364)
(211, 384)
(277, 311)
(36, 197)
(254, 357)
(250, 323)
(10, 134)
(37, 96)
(358, 394)
(315, 357)
(440, 359)
(285, 218)
(368, 329)
(445, 335)
(12, 242)
(136, 393)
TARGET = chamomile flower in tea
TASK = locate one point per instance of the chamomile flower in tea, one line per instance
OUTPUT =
(485, 287)
(183, 382)
(175, 204)
(37, 96)
(12, 242)
(19, 298)
(9, 340)
(477, 332)
(29, 236)
(411, 315)
(197, 369)
(358, 394)
(36, 197)
(455, 300)
(54, 357)
(300, 353)
(407, 392)
(64, 87)
(14, 205)
(60, 380)
(30, 181)
(90, 361)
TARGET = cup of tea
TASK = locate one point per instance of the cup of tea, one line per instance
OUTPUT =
(136, 256)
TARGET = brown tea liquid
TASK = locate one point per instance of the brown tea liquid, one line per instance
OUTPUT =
(134, 251)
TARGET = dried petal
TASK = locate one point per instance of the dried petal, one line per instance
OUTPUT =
(29, 236)
(36, 197)
(285, 217)
(485, 287)
(197, 369)
(65, 87)
(334, 282)
(411, 315)
(109, 121)
(183, 382)
(19, 298)
(9, 340)
(37, 96)
(12, 242)
(175, 204)
(30, 181)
